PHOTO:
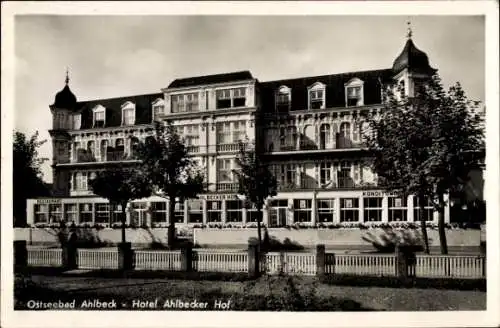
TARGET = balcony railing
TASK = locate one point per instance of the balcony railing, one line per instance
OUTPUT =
(227, 147)
(227, 186)
(347, 144)
(110, 156)
(335, 185)
(193, 149)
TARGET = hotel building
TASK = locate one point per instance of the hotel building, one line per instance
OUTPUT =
(308, 129)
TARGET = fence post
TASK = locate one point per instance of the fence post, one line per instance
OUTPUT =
(253, 260)
(125, 256)
(320, 261)
(20, 254)
(187, 257)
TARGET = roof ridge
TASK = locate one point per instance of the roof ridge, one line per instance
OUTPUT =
(328, 75)
(122, 97)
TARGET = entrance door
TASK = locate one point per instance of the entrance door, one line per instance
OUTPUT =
(277, 213)
(138, 214)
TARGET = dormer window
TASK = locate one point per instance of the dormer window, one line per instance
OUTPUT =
(128, 113)
(354, 93)
(229, 98)
(187, 102)
(283, 99)
(99, 117)
(317, 96)
(158, 108)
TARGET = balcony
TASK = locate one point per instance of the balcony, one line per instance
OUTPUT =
(193, 149)
(340, 184)
(227, 186)
(227, 148)
(110, 156)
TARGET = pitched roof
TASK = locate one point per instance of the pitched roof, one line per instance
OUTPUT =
(143, 109)
(211, 79)
(334, 90)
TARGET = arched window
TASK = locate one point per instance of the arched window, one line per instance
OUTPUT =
(134, 142)
(344, 135)
(324, 136)
(283, 99)
(316, 95)
(104, 150)
(354, 95)
(91, 148)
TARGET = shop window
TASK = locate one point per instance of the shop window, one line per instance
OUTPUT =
(41, 213)
(234, 211)
(159, 212)
(102, 213)
(326, 210)
(372, 209)
(349, 210)
(397, 209)
(428, 210)
(302, 210)
(71, 211)
(55, 213)
(117, 214)
(86, 213)
(214, 211)
(179, 212)
(195, 211)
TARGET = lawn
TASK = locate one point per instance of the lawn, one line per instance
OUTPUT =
(267, 293)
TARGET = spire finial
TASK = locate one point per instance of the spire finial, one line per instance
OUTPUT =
(409, 32)
(67, 76)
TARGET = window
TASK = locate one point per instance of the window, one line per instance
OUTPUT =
(77, 121)
(229, 98)
(326, 210)
(99, 116)
(159, 212)
(120, 145)
(41, 213)
(372, 209)
(71, 211)
(239, 132)
(214, 211)
(187, 102)
(283, 99)
(179, 212)
(104, 150)
(224, 168)
(316, 99)
(428, 210)
(402, 89)
(117, 214)
(195, 211)
(102, 213)
(287, 175)
(252, 214)
(81, 181)
(191, 135)
(128, 115)
(302, 210)
(86, 211)
(397, 209)
(91, 148)
(344, 175)
(223, 133)
(354, 93)
(157, 111)
(55, 212)
(345, 136)
(325, 173)
(234, 211)
(324, 136)
(349, 210)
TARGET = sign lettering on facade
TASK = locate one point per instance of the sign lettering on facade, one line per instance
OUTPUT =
(49, 201)
(218, 197)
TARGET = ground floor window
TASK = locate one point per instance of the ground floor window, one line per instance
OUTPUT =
(252, 214)
(349, 210)
(195, 211)
(179, 212)
(55, 212)
(372, 209)
(102, 213)
(86, 213)
(214, 211)
(159, 212)
(302, 210)
(41, 213)
(397, 209)
(71, 211)
(428, 210)
(117, 214)
(138, 214)
(326, 210)
(234, 211)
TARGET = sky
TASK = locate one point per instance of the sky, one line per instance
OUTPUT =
(114, 56)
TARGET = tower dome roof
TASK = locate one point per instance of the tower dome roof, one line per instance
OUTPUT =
(65, 98)
(413, 59)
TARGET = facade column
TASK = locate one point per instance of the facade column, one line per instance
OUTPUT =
(93, 213)
(336, 215)
(385, 209)
(361, 209)
(167, 202)
(77, 216)
(149, 221)
(314, 209)
(186, 212)
(244, 213)
(265, 213)
(289, 213)
(410, 208)
(205, 212)
(223, 211)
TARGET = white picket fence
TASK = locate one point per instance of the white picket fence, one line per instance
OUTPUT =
(50, 257)
(360, 264)
(97, 259)
(158, 260)
(438, 266)
(290, 263)
(220, 261)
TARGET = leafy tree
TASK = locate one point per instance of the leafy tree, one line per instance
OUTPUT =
(424, 145)
(27, 175)
(172, 172)
(121, 185)
(255, 181)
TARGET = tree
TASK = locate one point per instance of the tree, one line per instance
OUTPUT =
(27, 174)
(422, 146)
(121, 185)
(255, 181)
(171, 171)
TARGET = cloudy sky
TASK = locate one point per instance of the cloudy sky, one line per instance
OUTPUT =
(112, 56)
